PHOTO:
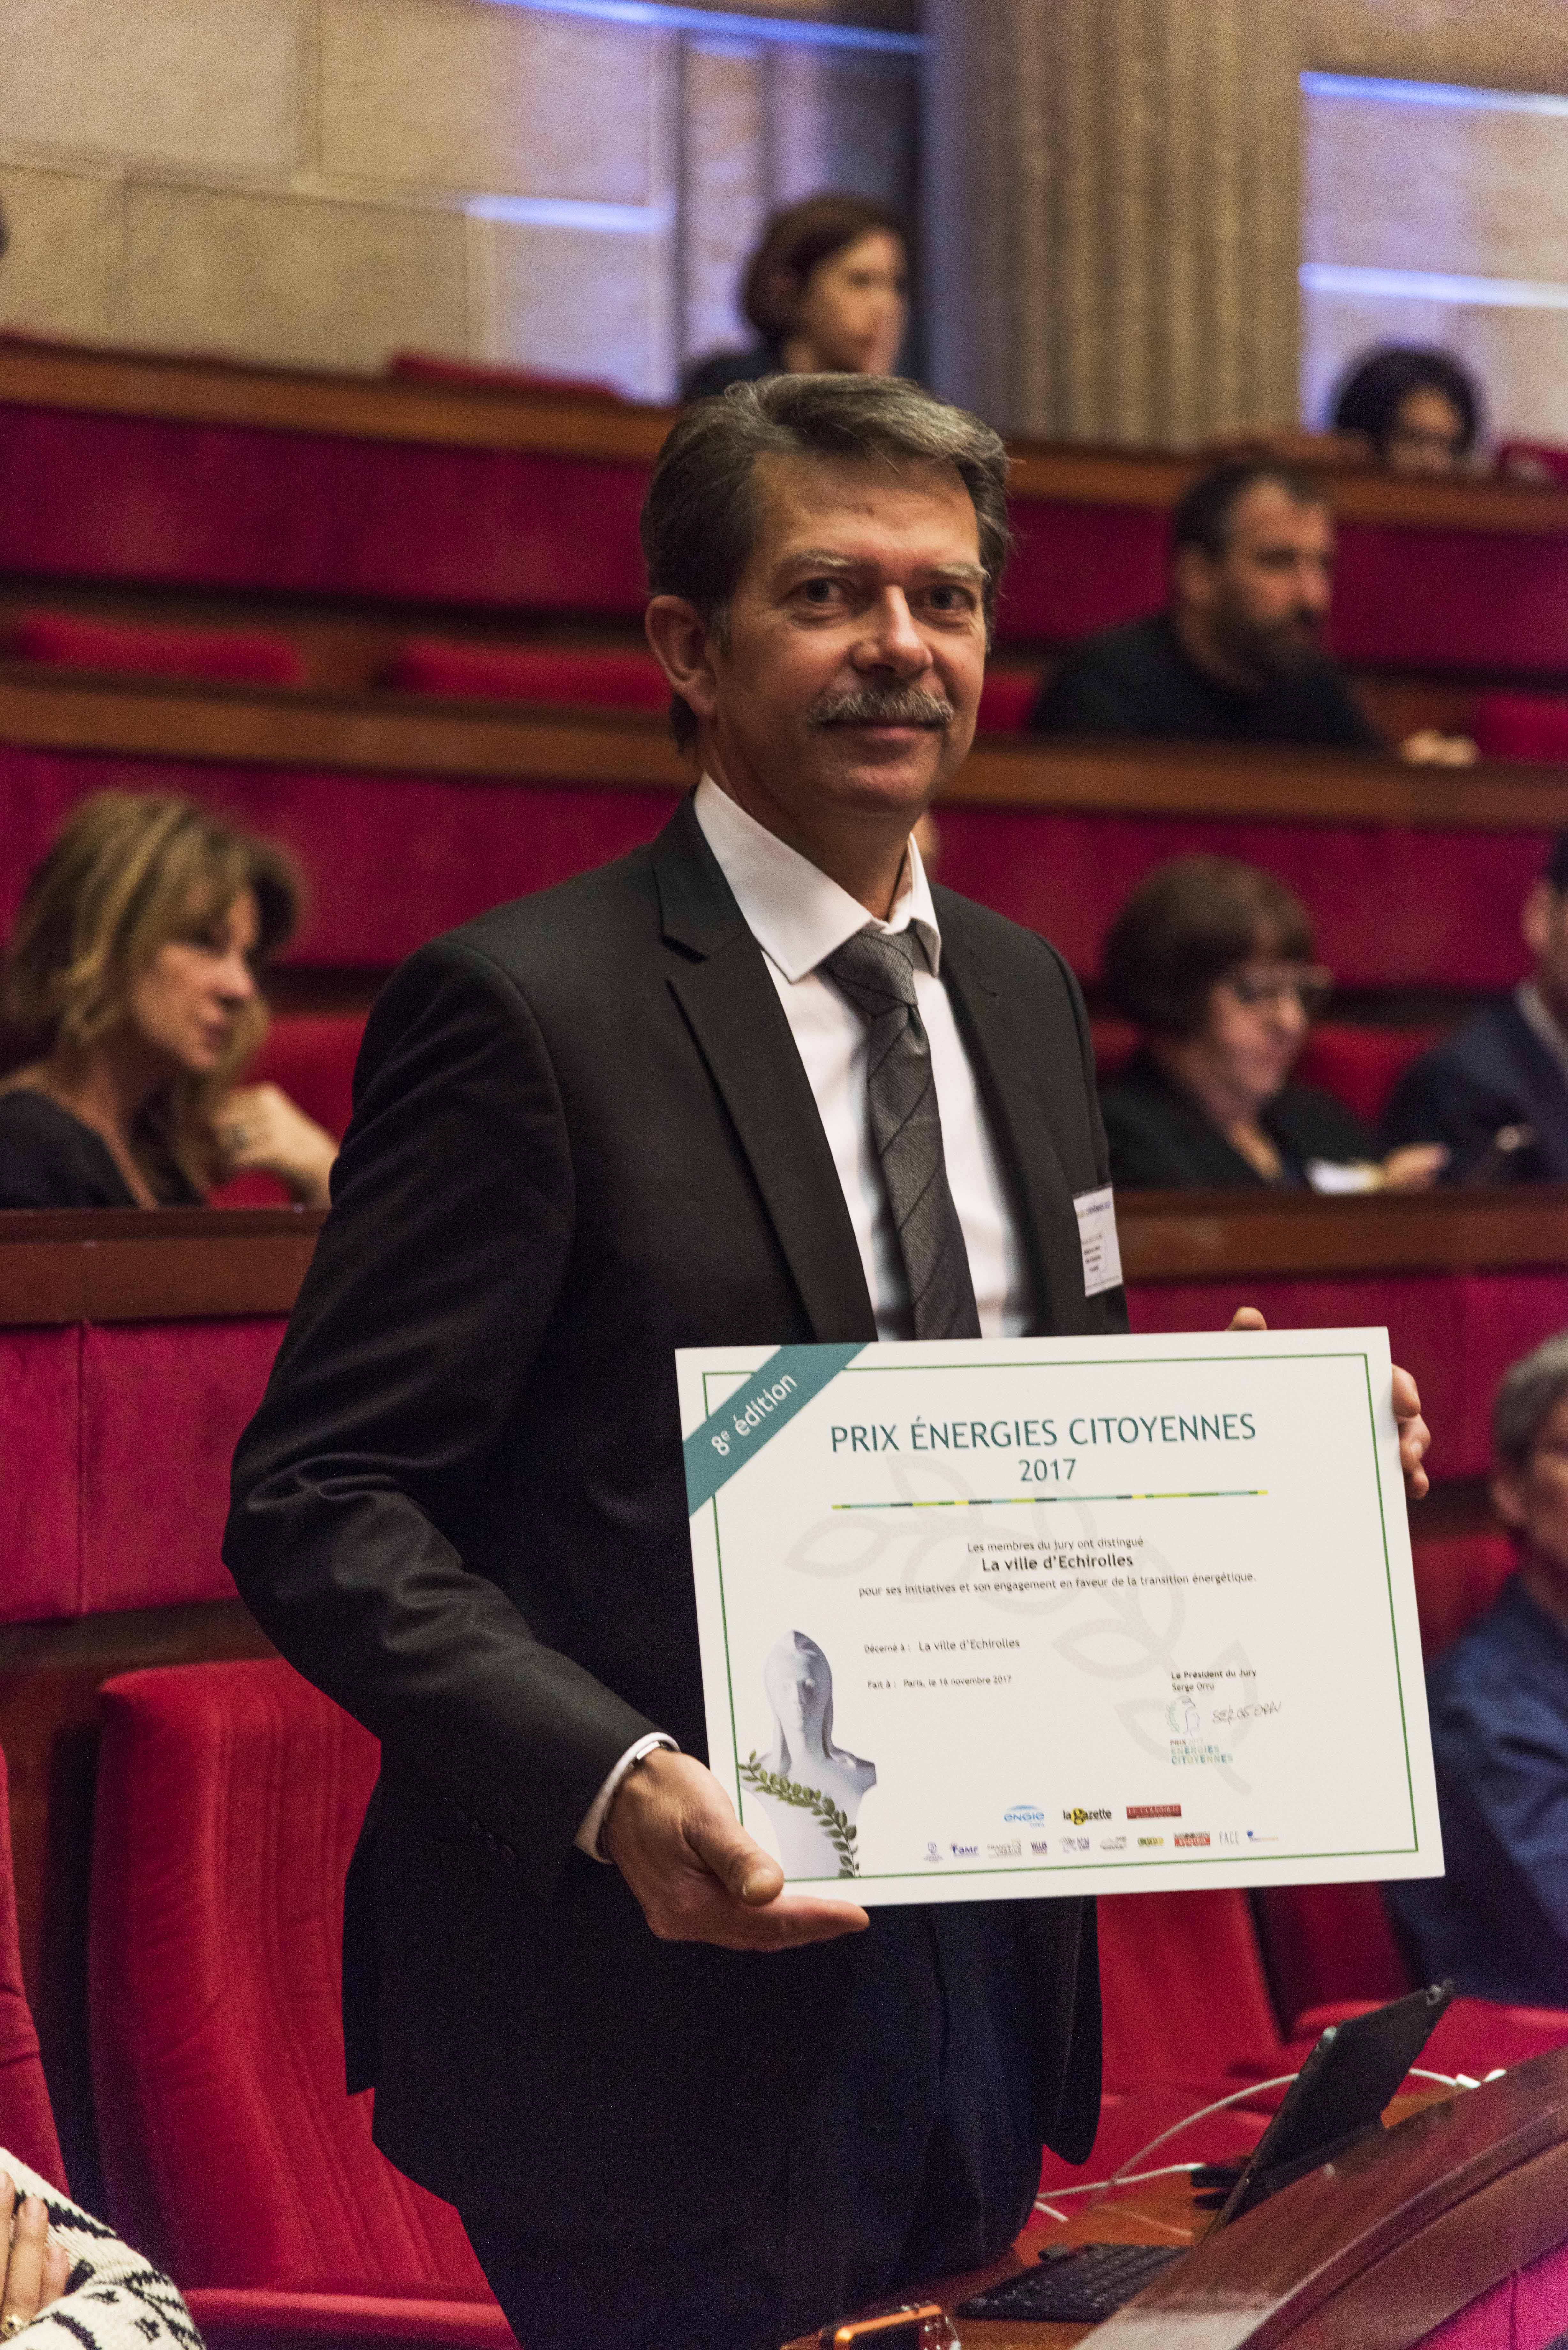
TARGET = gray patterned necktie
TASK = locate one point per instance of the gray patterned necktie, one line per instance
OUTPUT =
(875, 970)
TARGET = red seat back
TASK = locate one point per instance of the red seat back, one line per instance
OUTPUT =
(1182, 1987)
(1006, 699)
(234, 656)
(1458, 1576)
(1545, 461)
(229, 1796)
(574, 675)
(1521, 727)
(26, 2118)
(311, 1055)
(1359, 1066)
(1327, 1942)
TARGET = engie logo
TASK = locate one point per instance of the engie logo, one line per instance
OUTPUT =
(1078, 1816)
(1192, 1839)
(1029, 1813)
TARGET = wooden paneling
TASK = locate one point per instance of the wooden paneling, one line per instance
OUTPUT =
(540, 422)
(500, 743)
(130, 1264)
(1196, 1235)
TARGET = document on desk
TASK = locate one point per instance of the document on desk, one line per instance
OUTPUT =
(1017, 1617)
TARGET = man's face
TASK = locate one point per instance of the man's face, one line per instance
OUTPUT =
(847, 679)
(1265, 599)
(1533, 1500)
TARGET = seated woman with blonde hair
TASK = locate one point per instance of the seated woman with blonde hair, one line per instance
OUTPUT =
(1213, 961)
(129, 1003)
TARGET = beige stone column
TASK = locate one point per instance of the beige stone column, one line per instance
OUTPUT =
(1112, 212)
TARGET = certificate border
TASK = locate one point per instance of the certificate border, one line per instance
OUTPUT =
(1230, 1859)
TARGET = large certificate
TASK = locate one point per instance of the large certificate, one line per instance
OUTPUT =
(1029, 1617)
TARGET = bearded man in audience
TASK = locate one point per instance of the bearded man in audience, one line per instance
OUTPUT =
(1238, 654)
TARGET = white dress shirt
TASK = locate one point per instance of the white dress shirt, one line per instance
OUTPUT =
(798, 917)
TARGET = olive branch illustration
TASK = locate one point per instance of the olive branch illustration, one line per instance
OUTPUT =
(822, 1808)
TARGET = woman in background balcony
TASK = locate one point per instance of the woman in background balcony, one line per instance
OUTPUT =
(827, 292)
(1213, 961)
(1419, 409)
(129, 1005)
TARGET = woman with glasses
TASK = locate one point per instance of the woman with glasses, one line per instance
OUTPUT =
(1213, 961)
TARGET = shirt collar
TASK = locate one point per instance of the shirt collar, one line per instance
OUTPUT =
(796, 913)
(1539, 1019)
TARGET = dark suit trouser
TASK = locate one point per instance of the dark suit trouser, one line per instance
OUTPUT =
(917, 2156)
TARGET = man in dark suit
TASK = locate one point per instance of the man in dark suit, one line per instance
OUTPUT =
(757, 1083)
(1496, 1091)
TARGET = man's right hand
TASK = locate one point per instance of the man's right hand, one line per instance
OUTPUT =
(673, 1834)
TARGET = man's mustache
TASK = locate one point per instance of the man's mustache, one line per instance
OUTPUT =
(882, 705)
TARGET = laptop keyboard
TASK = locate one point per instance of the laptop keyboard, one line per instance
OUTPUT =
(1081, 2284)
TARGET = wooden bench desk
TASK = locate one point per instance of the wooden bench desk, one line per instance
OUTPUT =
(1379, 2247)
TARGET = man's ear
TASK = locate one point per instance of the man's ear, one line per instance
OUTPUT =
(683, 644)
(1508, 1500)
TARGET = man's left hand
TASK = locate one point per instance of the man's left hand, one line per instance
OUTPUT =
(1415, 1436)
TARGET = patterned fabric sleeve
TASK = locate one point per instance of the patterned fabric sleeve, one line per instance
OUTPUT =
(116, 2300)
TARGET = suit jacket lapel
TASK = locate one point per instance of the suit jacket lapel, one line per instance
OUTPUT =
(732, 1008)
(1004, 1068)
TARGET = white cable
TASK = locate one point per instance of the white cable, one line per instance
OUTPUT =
(1062, 2193)
(1237, 2098)
(1125, 2176)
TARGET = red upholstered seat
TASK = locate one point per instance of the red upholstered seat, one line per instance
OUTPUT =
(27, 2121)
(1006, 699)
(1182, 1987)
(429, 366)
(229, 1797)
(601, 679)
(238, 657)
(1360, 1066)
(1327, 1942)
(311, 1055)
(1521, 727)
(1534, 461)
(1458, 1576)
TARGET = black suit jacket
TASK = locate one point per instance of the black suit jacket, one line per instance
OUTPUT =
(583, 1137)
(1494, 1071)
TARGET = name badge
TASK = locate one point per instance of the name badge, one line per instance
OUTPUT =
(1097, 1239)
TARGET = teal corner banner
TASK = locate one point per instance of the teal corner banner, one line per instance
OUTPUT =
(759, 1408)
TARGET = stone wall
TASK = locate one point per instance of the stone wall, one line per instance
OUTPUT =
(1117, 206)
(326, 182)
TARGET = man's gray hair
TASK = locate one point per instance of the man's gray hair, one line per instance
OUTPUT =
(700, 516)
(1529, 1392)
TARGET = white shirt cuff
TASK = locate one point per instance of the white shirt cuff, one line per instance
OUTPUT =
(587, 1836)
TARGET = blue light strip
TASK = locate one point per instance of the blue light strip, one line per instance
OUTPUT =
(571, 212)
(655, 16)
(1432, 286)
(1432, 93)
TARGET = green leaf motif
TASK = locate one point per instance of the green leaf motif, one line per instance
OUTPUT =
(829, 1814)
